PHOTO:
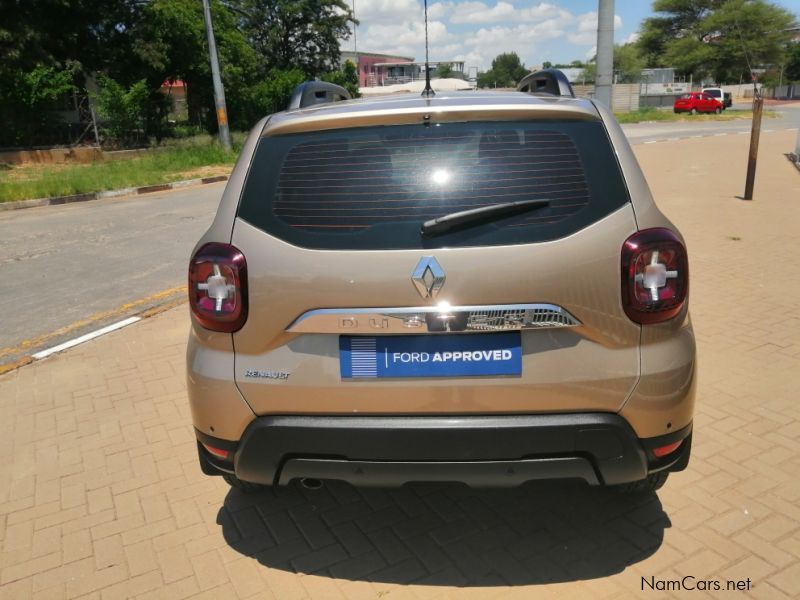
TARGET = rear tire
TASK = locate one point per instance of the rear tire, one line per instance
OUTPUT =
(243, 486)
(693, 111)
(717, 110)
(649, 484)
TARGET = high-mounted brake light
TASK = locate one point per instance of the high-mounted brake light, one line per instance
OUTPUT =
(655, 276)
(218, 287)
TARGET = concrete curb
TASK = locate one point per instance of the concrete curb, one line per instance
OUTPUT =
(147, 189)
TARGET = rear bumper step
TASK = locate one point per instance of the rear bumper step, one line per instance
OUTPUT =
(500, 450)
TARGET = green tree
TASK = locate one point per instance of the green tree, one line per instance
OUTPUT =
(169, 42)
(29, 101)
(302, 34)
(792, 69)
(347, 77)
(589, 72)
(628, 65)
(708, 38)
(444, 70)
(506, 71)
(123, 112)
(151, 41)
(272, 93)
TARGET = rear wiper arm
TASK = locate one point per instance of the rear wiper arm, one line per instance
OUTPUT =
(476, 216)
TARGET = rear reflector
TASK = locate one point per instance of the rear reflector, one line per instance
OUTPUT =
(655, 276)
(216, 452)
(668, 449)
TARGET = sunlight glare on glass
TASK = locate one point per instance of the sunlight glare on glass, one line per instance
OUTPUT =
(440, 176)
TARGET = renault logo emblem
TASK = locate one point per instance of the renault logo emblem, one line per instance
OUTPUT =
(428, 277)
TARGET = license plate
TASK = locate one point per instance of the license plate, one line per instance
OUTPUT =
(466, 355)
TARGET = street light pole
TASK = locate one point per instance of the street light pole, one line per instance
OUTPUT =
(219, 91)
(605, 52)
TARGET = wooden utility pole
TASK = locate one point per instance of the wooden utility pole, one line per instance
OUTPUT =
(755, 134)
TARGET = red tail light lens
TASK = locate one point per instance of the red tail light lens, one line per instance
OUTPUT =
(655, 276)
(218, 287)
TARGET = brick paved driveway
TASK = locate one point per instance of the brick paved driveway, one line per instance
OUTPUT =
(101, 495)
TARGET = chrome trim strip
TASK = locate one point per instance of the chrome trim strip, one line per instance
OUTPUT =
(433, 319)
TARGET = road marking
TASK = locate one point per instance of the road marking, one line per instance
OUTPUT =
(39, 341)
(651, 142)
(85, 338)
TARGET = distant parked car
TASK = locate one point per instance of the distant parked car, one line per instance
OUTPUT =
(696, 102)
(718, 94)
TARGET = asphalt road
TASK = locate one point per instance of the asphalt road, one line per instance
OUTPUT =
(61, 265)
(67, 270)
(640, 133)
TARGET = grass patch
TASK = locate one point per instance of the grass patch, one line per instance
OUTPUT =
(173, 161)
(658, 114)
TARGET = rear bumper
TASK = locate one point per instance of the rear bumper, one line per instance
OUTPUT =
(503, 450)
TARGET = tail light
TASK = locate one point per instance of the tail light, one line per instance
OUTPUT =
(655, 276)
(218, 287)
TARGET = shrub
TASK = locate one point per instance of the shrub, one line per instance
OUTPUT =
(129, 116)
(347, 77)
(29, 102)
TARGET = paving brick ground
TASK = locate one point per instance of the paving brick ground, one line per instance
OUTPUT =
(101, 495)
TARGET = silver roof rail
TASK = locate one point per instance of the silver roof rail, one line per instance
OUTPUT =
(310, 93)
(546, 81)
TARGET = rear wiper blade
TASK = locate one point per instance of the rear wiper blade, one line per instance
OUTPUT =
(476, 216)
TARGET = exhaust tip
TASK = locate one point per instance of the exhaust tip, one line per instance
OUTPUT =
(310, 483)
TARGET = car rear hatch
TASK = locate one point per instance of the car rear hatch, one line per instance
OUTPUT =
(349, 304)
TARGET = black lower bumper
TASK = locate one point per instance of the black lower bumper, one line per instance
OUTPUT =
(599, 448)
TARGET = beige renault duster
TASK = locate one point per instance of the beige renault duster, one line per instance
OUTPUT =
(472, 287)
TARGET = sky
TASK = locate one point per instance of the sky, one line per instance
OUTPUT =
(558, 31)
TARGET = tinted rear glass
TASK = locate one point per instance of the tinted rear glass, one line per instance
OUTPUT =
(372, 188)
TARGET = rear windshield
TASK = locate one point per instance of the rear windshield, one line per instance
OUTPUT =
(373, 187)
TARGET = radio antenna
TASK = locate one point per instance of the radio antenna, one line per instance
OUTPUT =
(428, 91)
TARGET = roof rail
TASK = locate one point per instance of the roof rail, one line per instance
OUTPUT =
(546, 81)
(310, 93)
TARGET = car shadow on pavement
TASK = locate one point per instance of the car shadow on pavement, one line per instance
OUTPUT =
(445, 534)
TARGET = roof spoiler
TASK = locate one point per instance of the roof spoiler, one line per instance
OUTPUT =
(546, 81)
(310, 93)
